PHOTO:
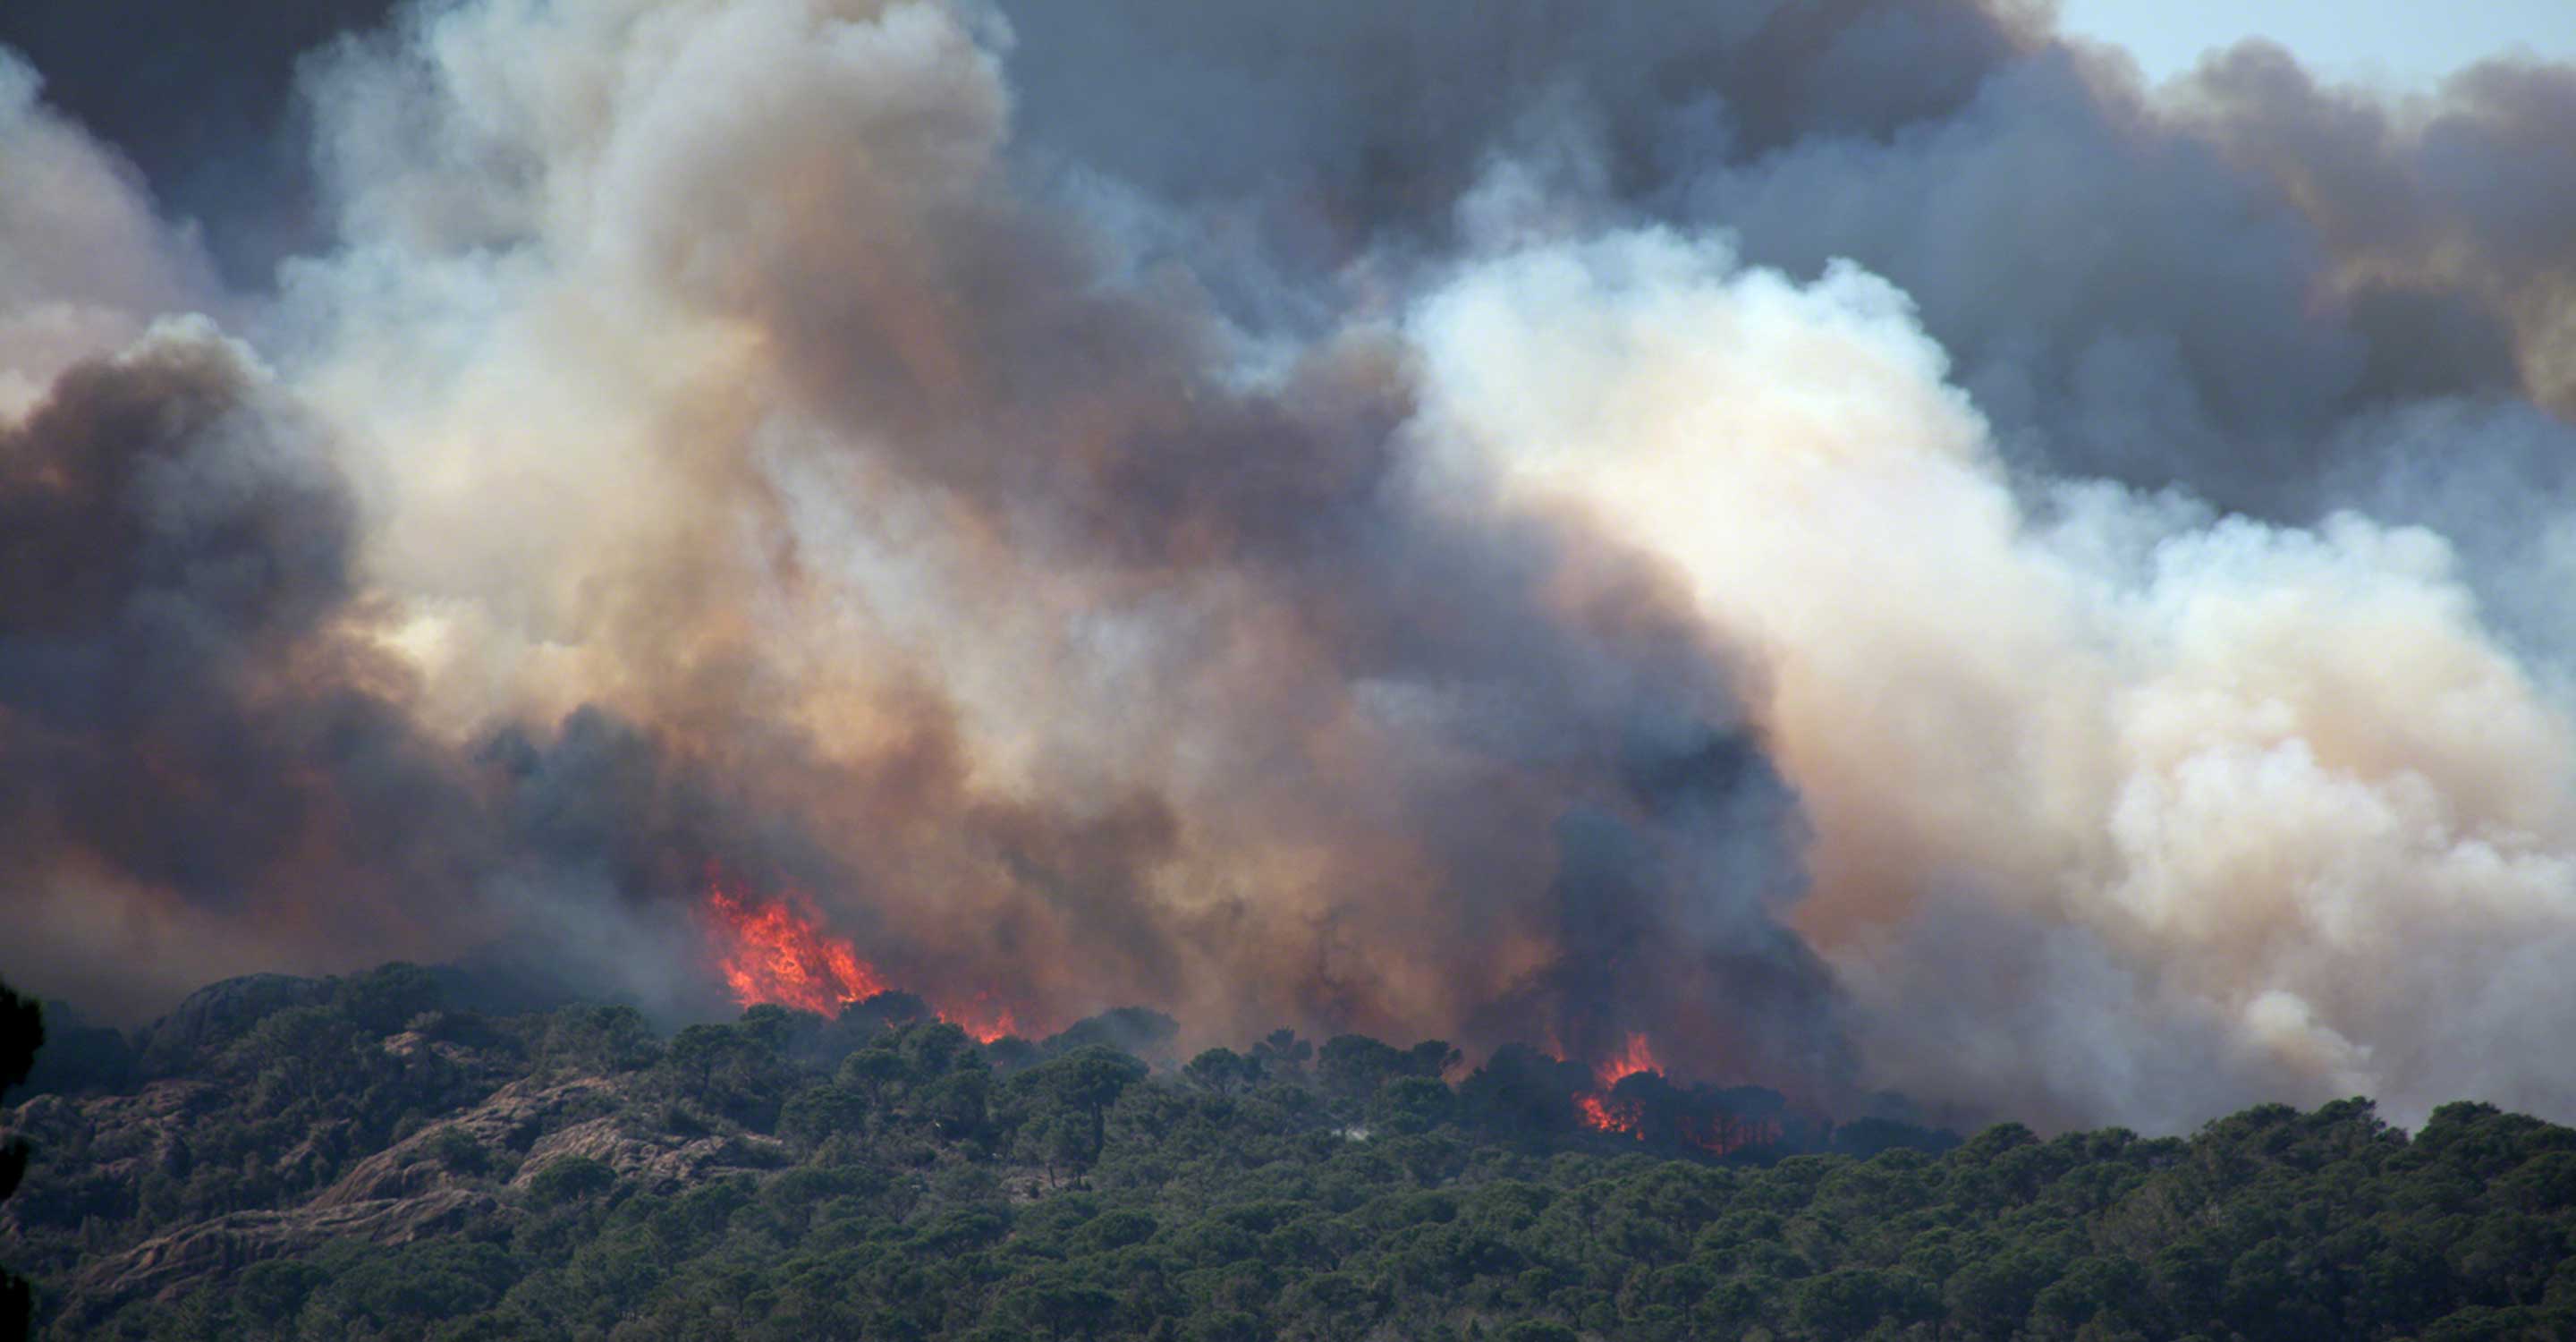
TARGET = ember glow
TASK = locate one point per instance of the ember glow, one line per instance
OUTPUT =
(983, 1019)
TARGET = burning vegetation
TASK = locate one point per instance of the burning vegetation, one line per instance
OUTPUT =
(772, 953)
(537, 1174)
(777, 952)
(1509, 527)
(1599, 1109)
(1635, 1099)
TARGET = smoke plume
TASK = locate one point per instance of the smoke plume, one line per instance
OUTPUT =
(1853, 540)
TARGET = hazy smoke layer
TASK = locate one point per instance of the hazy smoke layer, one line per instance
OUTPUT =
(1848, 537)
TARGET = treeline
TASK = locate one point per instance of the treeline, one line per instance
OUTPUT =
(883, 1176)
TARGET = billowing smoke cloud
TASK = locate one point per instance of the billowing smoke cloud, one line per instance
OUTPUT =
(2120, 809)
(206, 106)
(1849, 538)
(87, 263)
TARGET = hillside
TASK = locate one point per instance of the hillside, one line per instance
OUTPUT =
(364, 1158)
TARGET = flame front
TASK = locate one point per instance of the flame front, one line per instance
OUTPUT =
(1609, 1115)
(1598, 1109)
(780, 956)
(1606, 1114)
(772, 953)
(984, 1020)
(1637, 1057)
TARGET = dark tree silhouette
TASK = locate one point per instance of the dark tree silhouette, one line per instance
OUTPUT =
(22, 1032)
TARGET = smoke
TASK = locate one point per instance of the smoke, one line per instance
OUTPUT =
(87, 264)
(207, 109)
(1850, 539)
(2120, 808)
(186, 702)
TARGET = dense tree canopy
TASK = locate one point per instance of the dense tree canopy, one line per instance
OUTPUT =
(572, 1175)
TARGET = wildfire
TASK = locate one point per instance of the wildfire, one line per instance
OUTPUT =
(983, 1019)
(1716, 1134)
(1637, 1057)
(772, 953)
(1609, 1115)
(778, 955)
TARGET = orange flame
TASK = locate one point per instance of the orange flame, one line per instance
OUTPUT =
(983, 1020)
(772, 953)
(778, 955)
(1638, 1057)
(1599, 1111)
(1608, 1115)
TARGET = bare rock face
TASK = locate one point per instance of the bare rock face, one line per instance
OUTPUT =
(121, 1138)
(510, 1121)
(466, 1164)
(520, 1113)
(428, 1183)
(409, 1170)
(659, 1161)
(368, 1114)
(161, 1265)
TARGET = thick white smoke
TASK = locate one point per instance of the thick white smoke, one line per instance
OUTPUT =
(888, 443)
(2121, 811)
(84, 264)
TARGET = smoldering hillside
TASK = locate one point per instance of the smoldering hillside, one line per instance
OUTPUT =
(1852, 539)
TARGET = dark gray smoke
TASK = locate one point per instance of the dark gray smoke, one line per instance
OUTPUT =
(1850, 539)
(179, 698)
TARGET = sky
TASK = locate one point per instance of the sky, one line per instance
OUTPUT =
(2406, 43)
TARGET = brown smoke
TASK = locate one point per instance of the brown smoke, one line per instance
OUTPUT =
(1530, 524)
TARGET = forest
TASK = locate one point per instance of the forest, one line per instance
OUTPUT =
(367, 1157)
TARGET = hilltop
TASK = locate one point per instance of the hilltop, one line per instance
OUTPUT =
(369, 1158)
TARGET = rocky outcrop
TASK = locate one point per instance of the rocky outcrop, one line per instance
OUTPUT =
(518, 1114)
(123, 1161)
(512, 1120)
(426, 1184)
(218, 1012)
(658, 1161)
(121, 1136)
(160, 1265)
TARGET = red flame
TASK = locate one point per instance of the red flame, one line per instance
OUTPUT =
(1638, 1057)
(1600, 1111)
(778, 955)
(1609, 1115)
(983, 1019)
(772, 953)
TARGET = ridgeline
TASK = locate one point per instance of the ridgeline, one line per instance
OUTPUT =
(369, 1157)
